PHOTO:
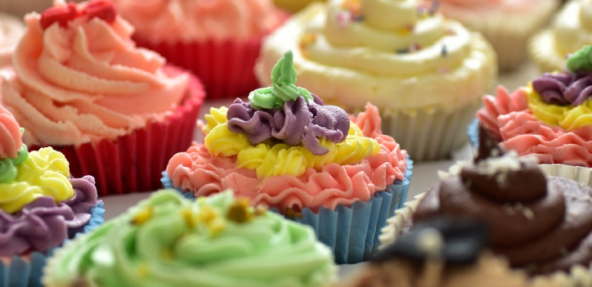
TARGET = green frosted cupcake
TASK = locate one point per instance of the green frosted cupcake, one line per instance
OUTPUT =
(217, 241)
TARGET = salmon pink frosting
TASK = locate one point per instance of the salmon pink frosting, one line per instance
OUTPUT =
(198, 171)
(181, 20)
(10, 135)
(509, 119)
(79, 78)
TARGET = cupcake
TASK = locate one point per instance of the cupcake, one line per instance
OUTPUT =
(167, 240)
(294, 5)
(424, 72)
(308, 161)
(571, 29)
(218, 40)
(41, 206)
(11, 28)
(541, 224)
(80, 85)
(548, 118)
(496, 20)
(443, 252)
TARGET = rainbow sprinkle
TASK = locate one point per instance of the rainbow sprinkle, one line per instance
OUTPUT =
(444, 51)
(307, 40)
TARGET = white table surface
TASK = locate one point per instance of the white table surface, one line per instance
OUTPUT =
(424, 174)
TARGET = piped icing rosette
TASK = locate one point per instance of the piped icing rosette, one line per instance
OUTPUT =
(78, 77)
(40, 205)
(550, 118)
(11, 30)
(571, 29)
(396, 54)
(539, 224)
(217, 241)
(286, 149)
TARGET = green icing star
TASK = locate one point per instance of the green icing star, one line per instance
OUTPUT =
(581, 61)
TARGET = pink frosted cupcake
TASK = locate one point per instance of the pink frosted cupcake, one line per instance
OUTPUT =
(218, 40)
(80, 85)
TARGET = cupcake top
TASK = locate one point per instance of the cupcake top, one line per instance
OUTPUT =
(11, 30)
(286, 149)
(40, 205)
(356, 51)
(549, 117)
(179, 20)
(78, 77)
(214, 241)
(441, 252)
(540, 224)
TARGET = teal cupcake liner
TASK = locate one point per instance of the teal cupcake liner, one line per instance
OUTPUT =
(19, 271)
(350, 231)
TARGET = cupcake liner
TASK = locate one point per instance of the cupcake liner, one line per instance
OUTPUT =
(133, 162)
(541, 50)
(224, 67)
(26, 271)
(431, 133)
(473, 133)
(350, 231)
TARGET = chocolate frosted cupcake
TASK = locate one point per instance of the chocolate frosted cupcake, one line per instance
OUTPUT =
(441, 252)
(542, 225)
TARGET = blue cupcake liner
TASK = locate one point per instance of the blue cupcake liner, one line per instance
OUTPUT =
(473, 133)
(22, 272)
(350, 231)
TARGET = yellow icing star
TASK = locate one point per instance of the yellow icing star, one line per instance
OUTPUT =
(143, 216)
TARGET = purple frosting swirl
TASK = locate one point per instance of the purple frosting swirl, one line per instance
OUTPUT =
(298, 122)
(43, 224)
(564, 89)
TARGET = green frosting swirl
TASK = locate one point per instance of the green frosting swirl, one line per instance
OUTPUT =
(8, 166)
(581, 61)
(169, 241)
(283, 88)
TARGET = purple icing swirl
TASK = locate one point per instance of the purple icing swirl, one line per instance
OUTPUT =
(564, 89)
(43, 224)
(298, 122)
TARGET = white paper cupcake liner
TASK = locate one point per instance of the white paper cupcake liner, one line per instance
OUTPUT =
(431, 133)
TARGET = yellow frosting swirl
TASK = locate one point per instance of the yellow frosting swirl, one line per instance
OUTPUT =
(44, 173)
(269, 159)
(566, 117)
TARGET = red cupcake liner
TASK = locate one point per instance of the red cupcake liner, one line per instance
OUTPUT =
(226, 68)
(134, 162)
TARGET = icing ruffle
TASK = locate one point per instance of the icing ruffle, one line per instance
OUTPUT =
(10, 135)
(43, 224)
(564, 89)
(197, 170)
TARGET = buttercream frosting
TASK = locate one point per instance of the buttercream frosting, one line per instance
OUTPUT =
(79, 78)
(10, 135)
(179, 20)
(351, 52)
(217, 241)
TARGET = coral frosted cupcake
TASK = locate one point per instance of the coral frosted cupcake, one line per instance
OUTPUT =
(81, 86)
(309, 161)
(443, 252)
(498, 21)
(11, 29)
(541, 224)
(424, 72)
(218, 40)
(217, 241)
(41, 206)
(571, 29)
(549, 119)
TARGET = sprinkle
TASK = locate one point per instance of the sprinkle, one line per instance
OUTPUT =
(142, 216)
(343, 19)
(307, 40)
(261, 210)
(216, 227)
(450, 32)
(415, 47)
(444, 52)
(528, 213)
(240, 211)
(443, 70)
(403, 51)
(206, 215)
(291, 213)
(189, 217)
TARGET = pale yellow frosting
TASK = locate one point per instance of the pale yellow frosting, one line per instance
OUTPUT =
(357, 62)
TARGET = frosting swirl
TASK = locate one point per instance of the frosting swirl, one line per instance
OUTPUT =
(44, 224)
(564, 89)
(222, 240)
(178, 20)
(10, 135)
(81, 78)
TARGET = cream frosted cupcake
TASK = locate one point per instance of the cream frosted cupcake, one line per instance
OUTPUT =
(41, 206)
(571, 29)
(497, 21)
(80, 84)
(218, 241)
(306, 160)
(11, 29)
(425, 73)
